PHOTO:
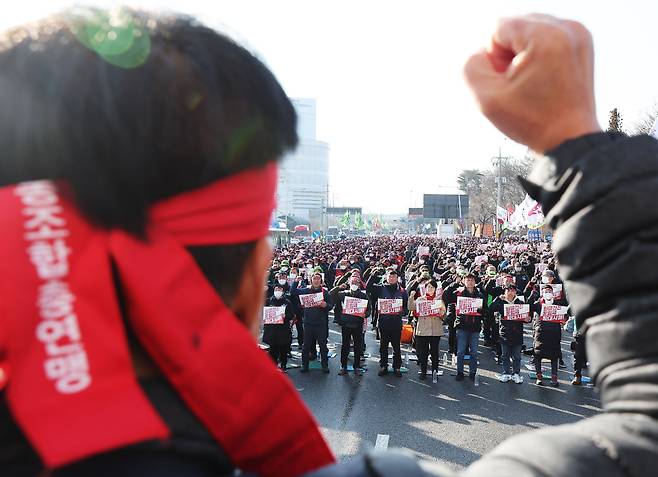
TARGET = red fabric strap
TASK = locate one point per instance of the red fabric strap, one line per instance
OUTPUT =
(72, 387)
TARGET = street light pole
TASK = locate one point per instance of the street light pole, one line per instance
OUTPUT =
(498, 161)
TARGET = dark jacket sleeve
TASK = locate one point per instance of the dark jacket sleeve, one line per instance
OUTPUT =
(606, 229)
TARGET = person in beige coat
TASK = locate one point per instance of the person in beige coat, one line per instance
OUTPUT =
(429, 312)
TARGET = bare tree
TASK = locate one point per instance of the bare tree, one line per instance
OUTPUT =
(470, 181)
(482, 190)
(616, 122)
(645, 124)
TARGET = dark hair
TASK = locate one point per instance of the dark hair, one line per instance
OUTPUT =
(433, 283)
(134, 107)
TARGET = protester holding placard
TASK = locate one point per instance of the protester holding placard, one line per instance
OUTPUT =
(548, 277)
(510, 312)
(550, 314)
(491, 291)
(469, 301)
(351, 310)
(277, 317)
(392, 301)
(316, 303)
(429, 312)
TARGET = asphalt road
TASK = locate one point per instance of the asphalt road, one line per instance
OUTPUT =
(450, 422)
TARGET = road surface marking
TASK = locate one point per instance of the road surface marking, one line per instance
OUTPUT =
(382, 442)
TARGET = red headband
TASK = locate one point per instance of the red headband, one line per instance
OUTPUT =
(234, 210)
(72, 387)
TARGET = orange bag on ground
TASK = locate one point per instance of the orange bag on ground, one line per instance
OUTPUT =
(407, 334)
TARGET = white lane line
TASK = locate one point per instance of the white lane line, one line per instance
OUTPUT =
(382, 442)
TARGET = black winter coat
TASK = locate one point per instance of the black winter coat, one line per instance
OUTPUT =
(511, 332)
(314, 316)
(546, 336)
(465, 322)
(348, 321)
(279, 335)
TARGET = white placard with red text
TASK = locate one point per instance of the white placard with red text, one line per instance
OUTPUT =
(468, 306)
(388, 306)
(426, 307)
(516, 312)
(274, 315)
(355, 306)
(423, 251)
(502, 281)
(311, 300)
(480, 259)
(555, 313)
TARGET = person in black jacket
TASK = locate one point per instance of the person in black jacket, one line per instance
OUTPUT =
(468, 325)
(278, 336)
(510, 333)
(316, 322)
(352, 324)
(389, 324)
(547, 335)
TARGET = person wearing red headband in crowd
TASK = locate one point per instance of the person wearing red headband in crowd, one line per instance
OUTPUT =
(138, 190)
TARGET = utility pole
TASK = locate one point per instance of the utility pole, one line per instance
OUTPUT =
(325, 221)
(498, 162)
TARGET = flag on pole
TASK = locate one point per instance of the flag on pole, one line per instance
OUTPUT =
(358, 221)
(527, 214)
(502, 215)
(535, 217)
(345, 221)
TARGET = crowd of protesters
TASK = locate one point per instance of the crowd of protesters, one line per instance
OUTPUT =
(473, 287)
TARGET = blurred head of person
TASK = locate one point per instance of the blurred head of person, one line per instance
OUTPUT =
(159, 106)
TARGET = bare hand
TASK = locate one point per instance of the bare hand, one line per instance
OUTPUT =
(535, 82)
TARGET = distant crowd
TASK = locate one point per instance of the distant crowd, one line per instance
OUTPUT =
(413, 289)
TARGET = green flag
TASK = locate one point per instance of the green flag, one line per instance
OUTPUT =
(345, 221)
(358, 221)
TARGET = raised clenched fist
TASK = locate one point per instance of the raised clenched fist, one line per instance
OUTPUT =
(535, 81)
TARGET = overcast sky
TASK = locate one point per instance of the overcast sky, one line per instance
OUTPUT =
(387, 77)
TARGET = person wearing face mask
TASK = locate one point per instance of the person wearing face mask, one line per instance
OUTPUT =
(521, 276)
(548, 277)
(281, 279)
(316, 323)
(468, 326)
(510, 334)
(547, 335)
(352, 324)
(340, 269)
(278, 336)
(389, 324)
(285, 266)
(429, 328)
